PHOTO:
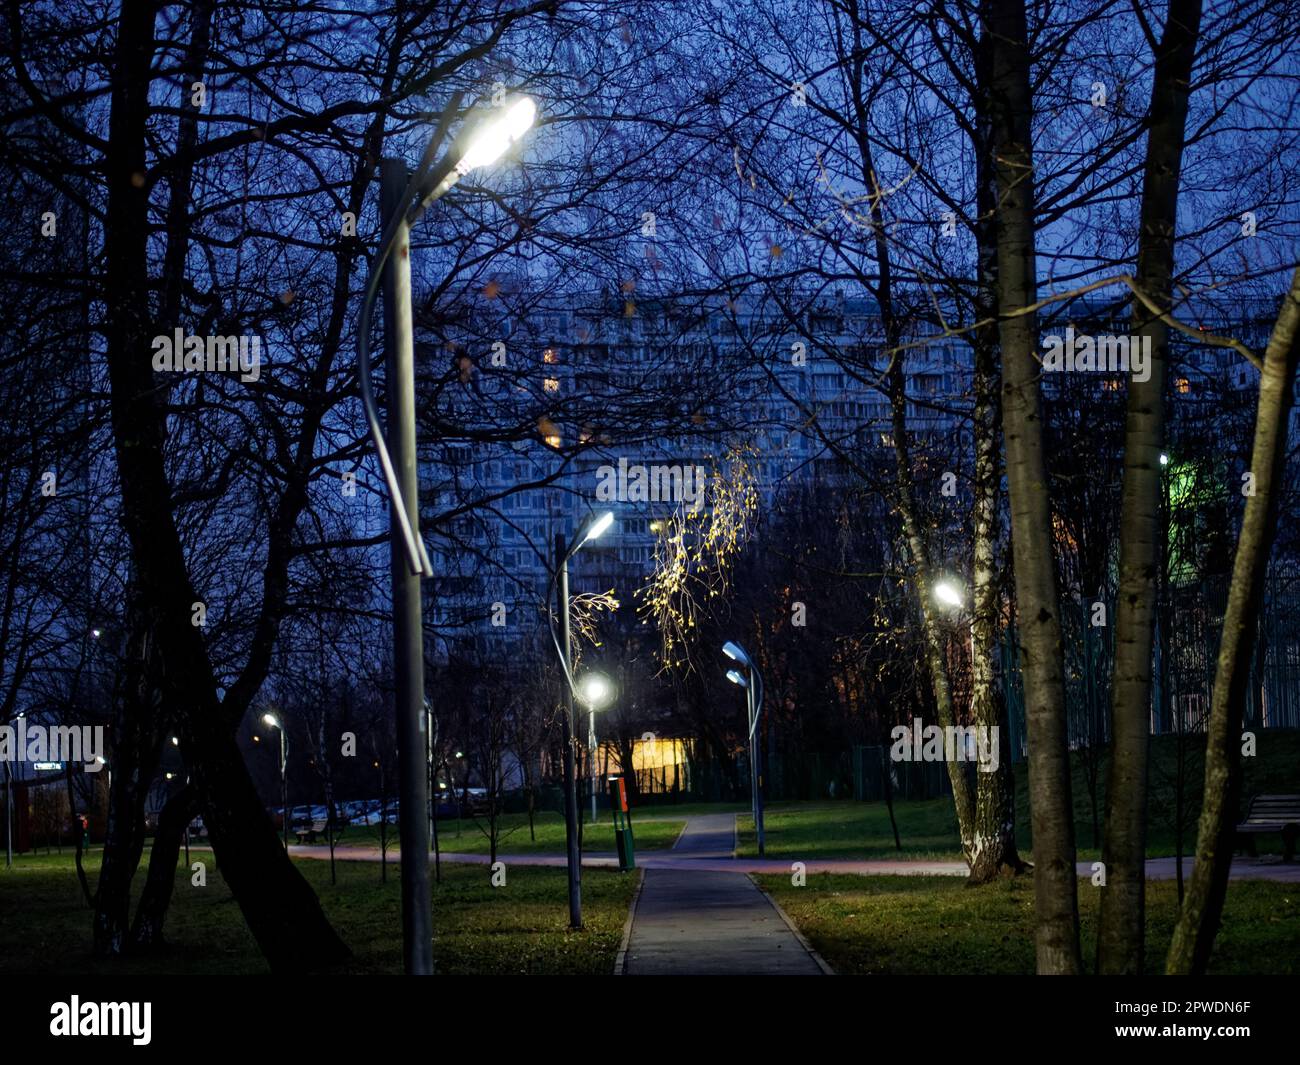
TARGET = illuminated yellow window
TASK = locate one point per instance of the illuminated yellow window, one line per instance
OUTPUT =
(1111, 384)
(1184, 386)
(549, 356)
(551, 384)
(553, 439)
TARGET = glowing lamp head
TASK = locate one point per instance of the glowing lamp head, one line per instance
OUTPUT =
(948, 593)
(497, 133)
(271, 720)
(736, 653)
(596, 690)
(597, 527)
(735, 676)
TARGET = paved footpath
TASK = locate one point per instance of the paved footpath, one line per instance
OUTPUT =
(701, 922)
(1157, 868)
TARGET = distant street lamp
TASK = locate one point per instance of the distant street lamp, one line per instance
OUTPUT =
(274, 722)
(596, 693)
(403, 200)
(949, 593)
(594, 527)
(752, 682)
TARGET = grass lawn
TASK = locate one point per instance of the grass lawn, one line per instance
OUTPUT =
(900, 925)
(670, 811)
(470, 836)
(521, 927)
(928, 829)
(799, 831)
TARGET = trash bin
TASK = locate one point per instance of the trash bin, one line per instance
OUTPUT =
(622, 825)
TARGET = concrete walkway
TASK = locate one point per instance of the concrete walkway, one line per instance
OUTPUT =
(692, 922)
(711, 924)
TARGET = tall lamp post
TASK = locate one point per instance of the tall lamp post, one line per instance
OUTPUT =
(596, 693)
(752, 681)
(592, 528)
(403, 200)
(950, 594)
(274, 722)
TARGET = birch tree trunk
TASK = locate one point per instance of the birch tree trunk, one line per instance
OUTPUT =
(1198, 922)
(1056, 906)
(995, 851)
(918, 548)
(1120, 933)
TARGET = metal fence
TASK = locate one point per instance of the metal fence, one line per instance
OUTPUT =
(1186, 650)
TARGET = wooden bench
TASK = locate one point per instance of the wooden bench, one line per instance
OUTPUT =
(1278, 814)
(309, 835)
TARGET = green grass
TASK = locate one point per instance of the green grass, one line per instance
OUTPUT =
(684, 809)
(800, 831)
(470, 836)
(902, 925)
(521, 927)
(928, 829)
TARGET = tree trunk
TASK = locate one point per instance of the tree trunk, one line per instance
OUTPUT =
(76, 828)
(993, 851)
(280, 907)
(1198, 922)
(1120, 931)
(932, 633)
(1055, 884)
(282, 912)
(134, 760)
(151, 912)
(918, 549)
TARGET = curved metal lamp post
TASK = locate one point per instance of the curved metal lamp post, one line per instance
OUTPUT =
(403, 201)
(752, 681)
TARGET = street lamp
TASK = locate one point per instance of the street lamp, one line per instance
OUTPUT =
(403, 199)
(274, 722)
(593, 527)
(752, 683)
(596, 693)
(950, 593)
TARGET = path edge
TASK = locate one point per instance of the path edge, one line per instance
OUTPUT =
(803, 940)
(620, 959)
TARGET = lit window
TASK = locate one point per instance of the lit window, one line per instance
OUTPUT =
(549, 356)
(553, 439)
(551, 384)
(1111, 384)
(1184, 385)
